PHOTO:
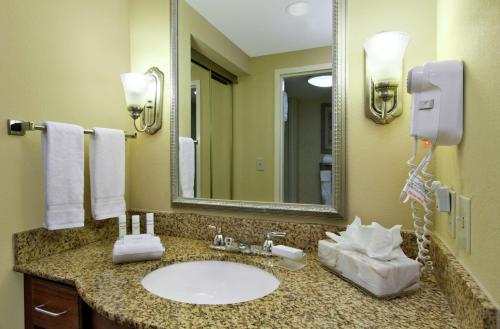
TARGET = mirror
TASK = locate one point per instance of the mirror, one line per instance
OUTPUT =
(253, 122)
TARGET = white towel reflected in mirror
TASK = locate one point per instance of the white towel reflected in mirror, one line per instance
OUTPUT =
(186, 167)
(326, 187)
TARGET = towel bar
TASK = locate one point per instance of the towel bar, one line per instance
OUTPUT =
(19, 128)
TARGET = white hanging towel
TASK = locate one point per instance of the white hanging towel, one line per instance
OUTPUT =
(285, 106)
(325, 177)
(327, 158)
(62, 154)
(107, 173)
(186, 166)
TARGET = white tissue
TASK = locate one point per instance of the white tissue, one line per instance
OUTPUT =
(373, 240)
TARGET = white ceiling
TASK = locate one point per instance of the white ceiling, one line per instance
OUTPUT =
(263, 27)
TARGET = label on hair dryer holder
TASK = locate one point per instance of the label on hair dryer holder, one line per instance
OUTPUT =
(415, 189)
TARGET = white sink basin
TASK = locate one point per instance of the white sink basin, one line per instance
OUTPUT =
(210, 282)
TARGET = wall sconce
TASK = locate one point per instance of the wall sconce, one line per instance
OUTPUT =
(144, 98)
(384, 54)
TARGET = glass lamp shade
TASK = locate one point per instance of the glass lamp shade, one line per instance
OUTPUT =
(384, 55)
(136, 87)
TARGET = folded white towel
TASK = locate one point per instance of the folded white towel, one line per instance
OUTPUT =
(186, 166)
(62, 153)
(125, 251)
(325, 177)
(107, 173)
(138, 247)
(138, 238)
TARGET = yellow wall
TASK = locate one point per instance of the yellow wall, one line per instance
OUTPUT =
(150, 159)
(60, 60)
(376, 154)
(469, 30)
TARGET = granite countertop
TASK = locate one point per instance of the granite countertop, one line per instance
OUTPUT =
(309, 298)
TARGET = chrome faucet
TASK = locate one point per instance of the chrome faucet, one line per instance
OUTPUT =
(228, 244)
(268, 243)
(218, 238)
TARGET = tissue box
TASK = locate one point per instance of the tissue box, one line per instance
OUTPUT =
(383, 279)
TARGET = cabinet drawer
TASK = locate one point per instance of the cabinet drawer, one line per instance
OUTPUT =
(54, 305)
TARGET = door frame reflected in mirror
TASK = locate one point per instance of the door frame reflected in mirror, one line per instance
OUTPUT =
(196, 85)
(337, 210)
(279, 130)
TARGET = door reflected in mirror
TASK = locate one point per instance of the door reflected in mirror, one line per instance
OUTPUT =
(255, 101)
(307, 162)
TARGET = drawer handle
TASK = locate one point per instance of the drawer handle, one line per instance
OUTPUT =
(40, 309)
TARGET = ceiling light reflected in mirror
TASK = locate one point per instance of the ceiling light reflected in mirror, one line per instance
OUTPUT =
(322, 81)
(299, 8)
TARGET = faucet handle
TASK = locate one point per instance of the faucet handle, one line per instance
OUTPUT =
(218, 238)
(268, 243)
(218, 229)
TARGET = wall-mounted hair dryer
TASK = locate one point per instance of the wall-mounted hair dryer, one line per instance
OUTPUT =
(437, 90)
(437, 116)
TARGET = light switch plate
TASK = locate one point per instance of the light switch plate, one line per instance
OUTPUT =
(463, 222)
(452, 215)
(260, 165)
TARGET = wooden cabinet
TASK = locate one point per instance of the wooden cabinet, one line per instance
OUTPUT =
(52, 305)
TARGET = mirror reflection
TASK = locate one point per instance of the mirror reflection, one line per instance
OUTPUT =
(255, 100)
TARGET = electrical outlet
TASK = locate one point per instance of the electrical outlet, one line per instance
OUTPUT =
(463, 222)
(259, 164)
(452, 215)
